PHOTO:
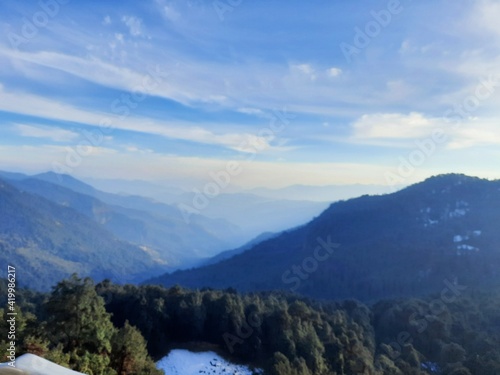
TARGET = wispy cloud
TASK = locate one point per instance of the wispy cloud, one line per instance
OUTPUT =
(27, 104)
(134, 25)
(171, 13)
(41, 131)
(334, 72)
(395, 126)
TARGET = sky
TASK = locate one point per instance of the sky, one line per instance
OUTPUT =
(257, 93)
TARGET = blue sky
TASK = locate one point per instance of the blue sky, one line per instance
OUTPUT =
(323, 92)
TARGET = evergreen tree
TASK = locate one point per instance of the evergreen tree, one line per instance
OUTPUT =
(79, 321)
(130, 356)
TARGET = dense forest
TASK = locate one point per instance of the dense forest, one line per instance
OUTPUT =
(120, 329)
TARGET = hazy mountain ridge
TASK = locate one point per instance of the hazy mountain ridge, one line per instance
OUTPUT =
(231, 253)
(158, 230)
(329, 193)
(255, 214)
(405, 243)
(136, 219)
(46, 242)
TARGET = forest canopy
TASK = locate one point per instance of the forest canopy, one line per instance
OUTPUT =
(121, 329)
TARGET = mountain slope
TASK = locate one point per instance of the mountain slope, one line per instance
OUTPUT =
(231, 253)
(46, 242)
(328, 193)
(140, 220)
(256, 215)
(440, 232)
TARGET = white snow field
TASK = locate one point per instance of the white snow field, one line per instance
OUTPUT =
(185, 362)
(30, 364)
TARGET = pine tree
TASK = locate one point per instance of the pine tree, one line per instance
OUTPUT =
(79, 322)
(130, 356)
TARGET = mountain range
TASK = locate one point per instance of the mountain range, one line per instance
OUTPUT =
(419, 240)
(46, 242)
(118, 230)
(439, 233)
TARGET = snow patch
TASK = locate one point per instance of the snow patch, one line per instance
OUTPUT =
(432, 367)
(30, 364)
(184, 362)
(458, 212)
(461, 209)
(459, 238)
(467, 248)
(430, 222)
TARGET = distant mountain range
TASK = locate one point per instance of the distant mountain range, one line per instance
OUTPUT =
(329, 193)
(156, 234)
(46, 242)
(255, 215)
(140, 220)
(231, 253)
(422, 239)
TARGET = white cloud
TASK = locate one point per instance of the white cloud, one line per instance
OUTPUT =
(127, 164)
(171, 13)
(38, 106)
(252, 111)
(134, 148)
(106, 21)
(486, 15)
(119, 37)
(304, 69)
(401, 130)
(334, 72)
(191, 82)
(475, 133)
(40, 131)
(134, 25)
(394, 126)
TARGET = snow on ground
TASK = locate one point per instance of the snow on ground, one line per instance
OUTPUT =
(458, 212)
(432, 367)
(185, 362)
(467, 248)
(459, 238)
(34, 365)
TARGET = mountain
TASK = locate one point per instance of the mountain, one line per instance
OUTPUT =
(46, 242)
(328, 193)
(158, 191)
(12, 175)
(255, 214)
(157, 227)
(441, 233)
(232, 218)
(231, 253)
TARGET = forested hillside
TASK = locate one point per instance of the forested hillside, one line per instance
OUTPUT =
(451, 333)
(47, 242)
(397, 245)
